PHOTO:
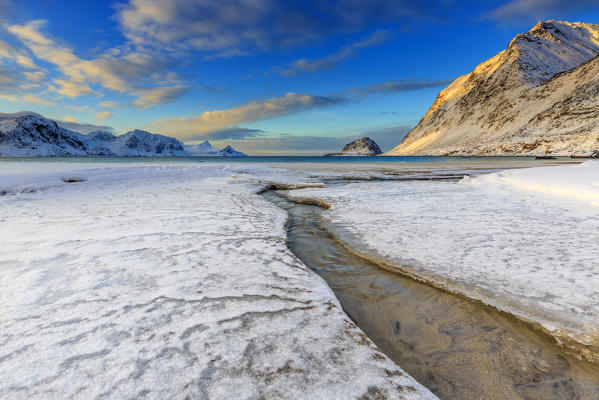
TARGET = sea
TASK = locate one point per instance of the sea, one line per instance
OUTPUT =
(289, 159)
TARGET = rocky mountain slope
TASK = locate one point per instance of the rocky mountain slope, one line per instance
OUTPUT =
(28, 134)
(361, 147)
(537, 97)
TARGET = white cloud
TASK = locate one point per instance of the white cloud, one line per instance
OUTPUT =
(109, 104)
(538, 9)
(30, 98)
(103, 114)
(36, 76)
(25, 61)
(6, 50)
(233, 27)
(71, 88)
(150, 97)
(127, 73)
(219, 121)
(203, 24)
(210, 121)
(303, 65)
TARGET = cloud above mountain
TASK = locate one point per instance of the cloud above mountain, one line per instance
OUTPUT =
(210, 122)
(218, 69)
(256, 110)
(537, 9)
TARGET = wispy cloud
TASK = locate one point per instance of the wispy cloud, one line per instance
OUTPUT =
(36, 76)
(212, 121)
(304, 65)
(527, 10)
(129, 73)
(401, 85)
(108, 104)
(234, 133)
(103, 114)
(150, 97)
(72, 124)
(209, 122)
(29, 98)
(213, 88)
(231, 27)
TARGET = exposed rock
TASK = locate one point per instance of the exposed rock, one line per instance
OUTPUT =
(361, 147)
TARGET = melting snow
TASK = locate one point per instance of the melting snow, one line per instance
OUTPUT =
(526, 240)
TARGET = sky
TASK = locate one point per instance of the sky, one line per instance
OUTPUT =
(267, 77)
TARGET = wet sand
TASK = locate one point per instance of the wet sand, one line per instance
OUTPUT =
(458, 348)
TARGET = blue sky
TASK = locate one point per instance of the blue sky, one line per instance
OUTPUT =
(266, 76)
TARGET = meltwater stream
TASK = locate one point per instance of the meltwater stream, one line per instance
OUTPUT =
(458, 348)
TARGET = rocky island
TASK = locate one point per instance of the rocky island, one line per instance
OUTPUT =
(362, 147)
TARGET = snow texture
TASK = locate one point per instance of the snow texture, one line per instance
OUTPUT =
(168, 281)
(27, 134)
(526, 241)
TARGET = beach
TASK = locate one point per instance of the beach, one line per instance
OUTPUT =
(176, 279)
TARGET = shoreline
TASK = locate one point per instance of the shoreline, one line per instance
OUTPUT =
(536, 335)
(348, 206)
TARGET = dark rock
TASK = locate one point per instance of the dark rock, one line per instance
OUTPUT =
(361, 147)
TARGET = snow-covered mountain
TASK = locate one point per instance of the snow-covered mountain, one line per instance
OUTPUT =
(33, 135)
(206, 149)
(201, 148)
(537, 97)
(142, 143)
(28, 134)
(230, 151)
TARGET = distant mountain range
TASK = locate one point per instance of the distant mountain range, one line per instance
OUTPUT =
(28, 134)
(540, 96)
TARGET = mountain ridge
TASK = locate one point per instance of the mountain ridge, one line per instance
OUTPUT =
(28, 134)
(492, 110)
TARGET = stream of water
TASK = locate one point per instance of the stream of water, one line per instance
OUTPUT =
(458, 348)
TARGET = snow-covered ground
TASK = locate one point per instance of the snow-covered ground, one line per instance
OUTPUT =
(168, 281)
(526, 241)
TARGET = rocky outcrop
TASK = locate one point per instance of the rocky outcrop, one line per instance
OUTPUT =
(540, 96)
(361, 147)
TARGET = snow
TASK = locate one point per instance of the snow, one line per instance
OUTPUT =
(201, 148)
(142, 143)
(168, 281)
(525, 241)
(28, 134)
(537, 97)
(573, 182)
